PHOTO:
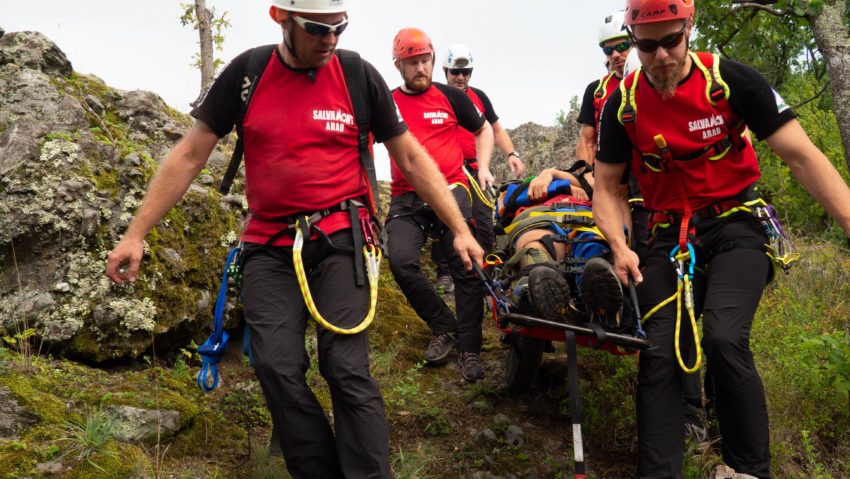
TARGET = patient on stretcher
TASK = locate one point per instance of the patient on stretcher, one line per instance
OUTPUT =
(553, 256)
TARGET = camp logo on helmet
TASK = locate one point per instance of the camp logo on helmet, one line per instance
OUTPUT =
(650, 14)
(674, 9)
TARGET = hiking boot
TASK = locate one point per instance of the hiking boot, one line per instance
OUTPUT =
(550, 293)
(602, 291)
(440, 347)
(471, 368)
(444, 284)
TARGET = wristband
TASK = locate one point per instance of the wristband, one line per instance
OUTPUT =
(513, 153)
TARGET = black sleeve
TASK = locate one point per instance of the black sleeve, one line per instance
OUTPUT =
(468, 116)
(489, 114)
(613, 144)
(753, 98)
(221, 103)
(585, 115)
(386, 120)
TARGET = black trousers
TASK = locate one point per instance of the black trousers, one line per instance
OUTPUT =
(691, 383)
(483, 217)
(736, 271)
(358, 445)
(409, 224)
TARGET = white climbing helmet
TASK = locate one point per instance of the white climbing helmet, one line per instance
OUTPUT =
(632, 63)
(613, 27)
(313, 6)
(458, 56)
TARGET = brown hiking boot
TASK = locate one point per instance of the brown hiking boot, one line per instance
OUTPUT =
(440, 347)
(471, 368)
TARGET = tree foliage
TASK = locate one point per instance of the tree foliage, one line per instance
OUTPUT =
(778, 39)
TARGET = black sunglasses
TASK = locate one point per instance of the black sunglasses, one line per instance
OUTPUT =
(461, 71)
(319, 29)
(620, 47)
(670, 41)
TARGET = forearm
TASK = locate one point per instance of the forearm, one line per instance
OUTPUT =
(813, 171)
(422, 173)
(586, 144)
(502, 139)
(170, 183)
(484, 146)
(823, 182)
(610, 214)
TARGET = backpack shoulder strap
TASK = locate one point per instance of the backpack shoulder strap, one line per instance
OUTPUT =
(355, 81)
(257, 61)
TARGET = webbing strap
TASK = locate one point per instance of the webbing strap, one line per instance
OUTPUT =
(355, 80)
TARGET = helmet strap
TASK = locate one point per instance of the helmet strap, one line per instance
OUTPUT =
(287, 32)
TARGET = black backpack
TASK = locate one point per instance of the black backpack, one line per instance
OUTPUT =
(355, 79)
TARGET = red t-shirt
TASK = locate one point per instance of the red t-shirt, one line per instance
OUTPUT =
(434, 118)
(467, 139)
(300, 137)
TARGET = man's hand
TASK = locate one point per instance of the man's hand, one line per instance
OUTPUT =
(516, 166)
(579, 193)
(485, 178)
(126, 252)
(625, 264)
(538, 186)
(469, 250)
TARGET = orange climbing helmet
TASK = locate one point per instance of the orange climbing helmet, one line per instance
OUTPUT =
(651, 11)
(411, 41)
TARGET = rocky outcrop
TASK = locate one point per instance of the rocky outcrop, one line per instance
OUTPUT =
(541, 147)
(75, 157)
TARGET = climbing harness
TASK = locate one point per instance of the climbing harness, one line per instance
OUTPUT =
(213, 349)
(371, 256)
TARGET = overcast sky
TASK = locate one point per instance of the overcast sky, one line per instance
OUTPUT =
(531, 57)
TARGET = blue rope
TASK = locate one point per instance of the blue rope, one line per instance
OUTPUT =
(213, 349)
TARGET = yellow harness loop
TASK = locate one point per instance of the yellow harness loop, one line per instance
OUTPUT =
(372, 258)
(477, 189)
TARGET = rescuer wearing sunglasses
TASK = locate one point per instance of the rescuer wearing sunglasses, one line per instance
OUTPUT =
(458, 65)
(680, 124)
(304, 159)
(616, 46)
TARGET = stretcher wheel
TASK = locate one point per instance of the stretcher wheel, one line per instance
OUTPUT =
(523, 359)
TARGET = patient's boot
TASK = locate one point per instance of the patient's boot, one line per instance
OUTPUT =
(550, 293)
(601, 291)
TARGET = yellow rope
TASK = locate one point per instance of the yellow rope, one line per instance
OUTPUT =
(683, 288)
(372, 258)
(475, 187)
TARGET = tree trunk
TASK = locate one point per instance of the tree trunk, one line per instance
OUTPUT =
(833, 40)
(205, 31)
